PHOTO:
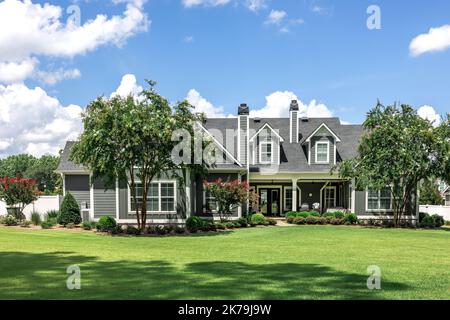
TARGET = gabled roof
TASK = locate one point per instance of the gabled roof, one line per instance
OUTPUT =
(323, 125)
(66, 165)
(262, 128)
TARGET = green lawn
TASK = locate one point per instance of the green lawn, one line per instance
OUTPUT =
(300, 262)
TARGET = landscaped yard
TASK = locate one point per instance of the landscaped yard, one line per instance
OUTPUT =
(299, 262)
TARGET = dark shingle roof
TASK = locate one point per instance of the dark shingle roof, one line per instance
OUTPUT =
(64, 163)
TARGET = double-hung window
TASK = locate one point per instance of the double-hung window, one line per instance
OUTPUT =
(379, 200)
(161, 197)
(266, 152)
(322, 152)
(288, 198)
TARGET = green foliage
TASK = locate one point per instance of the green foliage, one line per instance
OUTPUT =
(10, 220)
(122, 134)
(336, 221)
(47, 224)
(303, 214)
(18, 192)
(70, 225)
(429, 193)
(36, 218)
(257, 218)
(299, 220)
(399, 149)
(427, 222)
(350, 218)
(52, 214)
(438, 220)
(194, 223)
(106, 224)
(25, 224)
(87, 225)
(291, 214)
(131, 230)
(16, 165)
(290, 219)
(243, 223)
(70, 211)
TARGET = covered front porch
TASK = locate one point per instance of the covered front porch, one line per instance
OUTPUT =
(280, 195)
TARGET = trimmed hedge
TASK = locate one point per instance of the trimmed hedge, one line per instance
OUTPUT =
(257, 218)
(70, 211)
(106, 224)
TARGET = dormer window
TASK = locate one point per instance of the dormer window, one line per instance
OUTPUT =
(322, 152)
(265, 152)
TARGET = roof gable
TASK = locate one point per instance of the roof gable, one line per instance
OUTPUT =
(323, 126)
(266, 125)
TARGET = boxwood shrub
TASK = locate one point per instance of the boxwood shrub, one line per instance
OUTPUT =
(106, 224)
(258, 218)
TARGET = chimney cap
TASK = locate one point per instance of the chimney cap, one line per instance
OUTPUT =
(243, 109)
(294, 105)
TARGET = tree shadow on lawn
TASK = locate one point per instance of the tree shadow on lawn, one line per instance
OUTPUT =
(43, 276)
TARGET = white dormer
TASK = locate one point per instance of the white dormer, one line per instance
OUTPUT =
(322, 145)
(265, 145)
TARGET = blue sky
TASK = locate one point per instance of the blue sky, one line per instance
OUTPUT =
(320, 50)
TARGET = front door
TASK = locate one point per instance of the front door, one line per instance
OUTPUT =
(269, 201)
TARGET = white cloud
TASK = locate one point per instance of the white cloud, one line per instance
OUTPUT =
(276, 17)
(52, 77)
(437, 39)
(285, 30)
(203, 105)
(13, 72)
(188, 39)
(31, 30)
(212, 3)
(278, 104)
(32, 121)
(128, 85)
(428, 113)
(256, 5)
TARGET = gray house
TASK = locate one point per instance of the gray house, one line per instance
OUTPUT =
(287, 161)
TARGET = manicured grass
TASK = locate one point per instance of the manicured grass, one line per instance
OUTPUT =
(300, 262)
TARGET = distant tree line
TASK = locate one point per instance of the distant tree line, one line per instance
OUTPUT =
(42, 170)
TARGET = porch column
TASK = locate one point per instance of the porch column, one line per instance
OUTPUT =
(294, 194)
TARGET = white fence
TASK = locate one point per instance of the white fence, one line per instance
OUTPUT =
(41, 205)
(440, 210)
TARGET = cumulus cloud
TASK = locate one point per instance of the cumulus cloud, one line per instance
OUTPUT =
(256, 5)
(212, 3)
(31, 30)
(33, 122)
(428, 113)
(278, 104)
(52, 77)
(437, 39)
(203, 105)
(276, 17)
(128, 85)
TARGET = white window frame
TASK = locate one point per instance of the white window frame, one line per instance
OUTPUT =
(379, 202)
(287, 208)
(328, 151)
(159, 182)
(271, 152)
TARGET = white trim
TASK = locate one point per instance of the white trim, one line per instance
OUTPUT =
(117, 199)
(91, 204)
(259, 131)
(328, 152)
(63, 177)
(239, 139)
(188, 194)
(321, 198)
(240, 206)
(220, 145)
(150, 220)
(130, 212)
(309, 152)
(379, 203)
(337, 139)
(353, 196)
(335, 153)
(271, 151)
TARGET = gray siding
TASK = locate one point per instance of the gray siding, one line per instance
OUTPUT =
(293, 130)
(276, 149)
(78, 186)
(243, 132)
(104, 200)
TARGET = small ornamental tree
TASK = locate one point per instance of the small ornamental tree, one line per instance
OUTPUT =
(70, 211)
(229, 195)
(429, 194)
(18, 193)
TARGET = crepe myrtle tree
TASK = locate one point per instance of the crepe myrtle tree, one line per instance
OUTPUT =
(229, 195)
(398, 150)
(131, 138)
(17, 193)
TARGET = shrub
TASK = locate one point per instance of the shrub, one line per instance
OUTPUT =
(252, 224)
(194, 223)
(242, 222)
(339, 214)
(321, 220)
(447, 222)
(70, 211)
(336, 221)
(291, 214)
(230, 225)
(70, 225)
(36, 218)
(272, 222)
(422, 215)
(87, 225)
(10, 221)
(299, 220)
(117, 229)
(311, 220)
(329, 214)
(25, 224)
(132, 230)
(258, 218)
(46, 224)
(179, 230)
(52, 214)
(303, 214)
(220, 226)
(106, 224)
(427, 222)
(314, 214)
(350, 218)
(438, 220)
(290, 219)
